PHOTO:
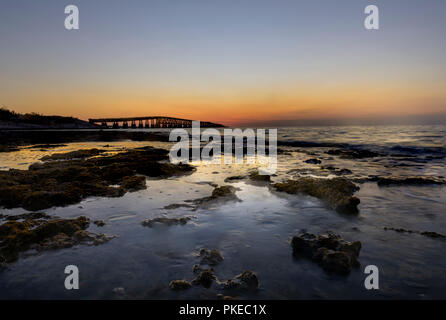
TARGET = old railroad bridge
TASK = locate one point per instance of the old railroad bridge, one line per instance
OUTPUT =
(148, 122)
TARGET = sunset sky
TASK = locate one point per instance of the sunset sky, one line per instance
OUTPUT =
(227, 61)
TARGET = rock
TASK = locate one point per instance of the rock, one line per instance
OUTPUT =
(429, 234)
(133, 183)
(245, 281)
(44, 234)
(167, 221)
(177, 205)
(353, 153)
(78, 154)
(328, 250)
(256, 176)
(6, 148)
(205, 278)
(336, 193)
(99, 223)
(59, 183)
(219, 195)
(179, 285)
(234, 178)
(410, 180)
(46, 146)
(210, 257)
(24, 216)
(313, 161)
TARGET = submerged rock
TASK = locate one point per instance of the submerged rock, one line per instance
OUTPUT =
(204, 278)
(219, 195)
(210, 257)
(353, 153)
(256, 176)
(46, 146)
(430, 234)
(313, 161)
(179, 284)
(78, 154)
(166, 221)
(99, 223)
(8, 148)
(329, 250)
(42, 234)
(337, 192)
(59, 183)
(234, 178)
(177, 205)
(245, 281)
(410, 180)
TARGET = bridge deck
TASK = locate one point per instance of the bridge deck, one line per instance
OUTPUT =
(151, 122)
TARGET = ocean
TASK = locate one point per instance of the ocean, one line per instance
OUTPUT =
(254, 232)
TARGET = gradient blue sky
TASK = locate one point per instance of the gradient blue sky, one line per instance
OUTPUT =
(224, 60)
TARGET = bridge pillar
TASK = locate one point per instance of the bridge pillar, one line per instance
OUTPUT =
(125, 125)
(133, 124)
(115, 125)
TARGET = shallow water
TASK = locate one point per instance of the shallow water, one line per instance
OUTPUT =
(255, 232)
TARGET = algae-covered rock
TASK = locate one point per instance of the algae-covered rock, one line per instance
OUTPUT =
(410, 180)
(256, 176)
(78, 154)
(166, 221)
(44, 234)
(336, 193)
(245, 281)
(220, 194)
(179, 284)
(353, 153)
(430, 234)
(210, 257)
(204, 278)
(329, 250)
(59, 183)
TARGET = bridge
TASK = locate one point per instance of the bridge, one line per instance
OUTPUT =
(149, 122)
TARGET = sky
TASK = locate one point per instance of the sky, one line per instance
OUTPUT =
(234, 62)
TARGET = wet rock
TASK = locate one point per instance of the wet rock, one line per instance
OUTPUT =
(313, 161)
(223, 297)
(8, 148)
(24, 216)
(46, 146)
(78, 154)
(210, 257)
(219, 194)
(410, 180)
(133, 183)
(336, 171)
(256, 176)
(179, 284)
(234, 178)
(177, 205)
(99, 223)
(166, 221)
(336, 193)
(245, 281)
(59, 183)
(329, 250)
(18, 236)
(429, 234)
(353, 153)
(204, 278)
